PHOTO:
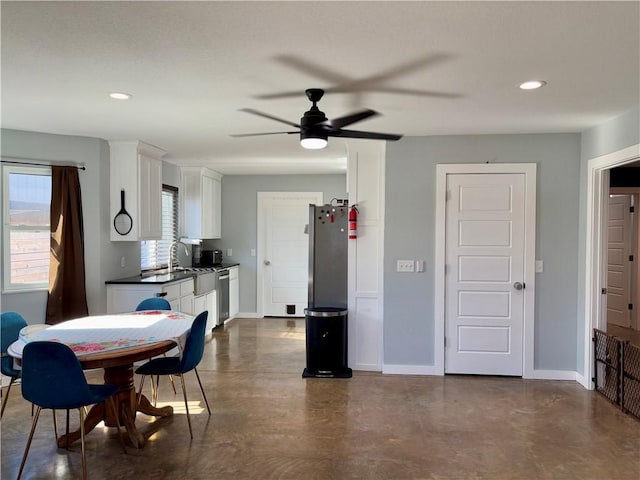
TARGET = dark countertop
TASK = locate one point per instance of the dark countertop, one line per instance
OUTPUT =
(226, 265)
(161, 277)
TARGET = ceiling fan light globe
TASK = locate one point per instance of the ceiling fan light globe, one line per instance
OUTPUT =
(311, 143)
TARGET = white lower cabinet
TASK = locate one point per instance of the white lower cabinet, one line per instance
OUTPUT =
(125, 297)
(207, 302)
(234, 292)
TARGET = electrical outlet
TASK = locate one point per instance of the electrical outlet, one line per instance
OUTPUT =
(405, 266)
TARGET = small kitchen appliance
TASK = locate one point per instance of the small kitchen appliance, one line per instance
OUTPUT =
(211, 258)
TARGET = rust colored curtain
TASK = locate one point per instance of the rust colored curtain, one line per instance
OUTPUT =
(67, 291)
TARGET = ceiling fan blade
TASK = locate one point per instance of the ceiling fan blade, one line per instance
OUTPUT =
(258, 134)
(313, 69)
(266, 115)
(272, 96)
(366, 135)
(351, 118)
(416, 93)
(426, 61)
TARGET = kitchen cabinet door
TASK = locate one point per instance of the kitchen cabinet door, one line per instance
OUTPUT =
(136, 169)
(199, 304)
(186, 303)
(201, 203)
(150, 198)
(234, 292)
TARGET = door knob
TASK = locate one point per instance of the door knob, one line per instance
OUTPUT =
(518, 286)
(267, 262)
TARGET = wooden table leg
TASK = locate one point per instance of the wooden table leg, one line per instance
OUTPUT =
(147, 408)
(126, 404)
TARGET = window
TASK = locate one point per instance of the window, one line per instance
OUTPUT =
(26, 235)
(155, 253)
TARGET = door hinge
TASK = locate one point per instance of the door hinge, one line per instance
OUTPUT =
(631, 306)
(632, 209)
(445, 342)
(604, 291)
(447, 195)
(631, 258)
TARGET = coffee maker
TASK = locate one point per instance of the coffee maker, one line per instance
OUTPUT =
(196, 255)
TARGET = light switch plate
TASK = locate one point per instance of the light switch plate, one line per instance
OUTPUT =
(405, 266)
(539, 266)
(229, 252)
(419, 265)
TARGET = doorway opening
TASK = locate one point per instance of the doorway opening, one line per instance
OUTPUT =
(596, 263)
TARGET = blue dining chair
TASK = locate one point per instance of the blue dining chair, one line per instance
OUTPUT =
(191, 357)
(156, 303)
(153, 303)
(52, 377)
(10, 325)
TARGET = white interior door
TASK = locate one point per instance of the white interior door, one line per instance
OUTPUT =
(484, 273)
(619, 239)
(283, 259)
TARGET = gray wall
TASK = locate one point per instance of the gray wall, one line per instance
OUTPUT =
(102, 257)
(618, 133)
(410, 208)
(409, 233)
(239, 218)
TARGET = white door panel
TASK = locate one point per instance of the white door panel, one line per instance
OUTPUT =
(284, 256)
(485, 238)
(619, 239)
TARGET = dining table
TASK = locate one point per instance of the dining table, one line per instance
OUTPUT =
(114, 343)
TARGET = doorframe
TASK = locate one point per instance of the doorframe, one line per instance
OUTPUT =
(260, 239)
(595, 249)
(529, 170)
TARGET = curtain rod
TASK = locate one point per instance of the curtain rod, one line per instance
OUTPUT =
(41, 164)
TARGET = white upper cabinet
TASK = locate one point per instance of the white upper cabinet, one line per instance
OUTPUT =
(201, 199)
(136, 169)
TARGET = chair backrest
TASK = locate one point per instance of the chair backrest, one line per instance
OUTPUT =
(52, 376)
(153, 303)
(194, 346)
(10, 325)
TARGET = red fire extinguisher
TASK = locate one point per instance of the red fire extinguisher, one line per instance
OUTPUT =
(353, 222)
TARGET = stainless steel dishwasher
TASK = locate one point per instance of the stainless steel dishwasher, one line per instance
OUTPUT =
(222, 288)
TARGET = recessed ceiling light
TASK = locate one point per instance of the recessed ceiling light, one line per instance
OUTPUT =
(120, 95)
(532, 84)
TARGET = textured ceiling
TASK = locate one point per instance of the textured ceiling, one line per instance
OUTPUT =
(430, 68)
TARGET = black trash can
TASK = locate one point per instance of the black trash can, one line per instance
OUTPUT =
(326, 329)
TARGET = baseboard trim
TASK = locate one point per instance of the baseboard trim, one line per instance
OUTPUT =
(582, 380)
(247, 315)
(411, 370)
(435, 371)
(555, 375)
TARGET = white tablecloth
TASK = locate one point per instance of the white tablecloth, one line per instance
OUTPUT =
(103, 333)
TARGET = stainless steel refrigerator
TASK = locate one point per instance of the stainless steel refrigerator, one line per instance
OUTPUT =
(328, 236)
(326, 315)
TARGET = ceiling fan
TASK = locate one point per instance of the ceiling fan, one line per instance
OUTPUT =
(315, 127)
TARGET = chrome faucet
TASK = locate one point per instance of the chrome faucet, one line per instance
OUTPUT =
(173, 244)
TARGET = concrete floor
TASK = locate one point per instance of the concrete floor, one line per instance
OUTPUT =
(268, 422)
